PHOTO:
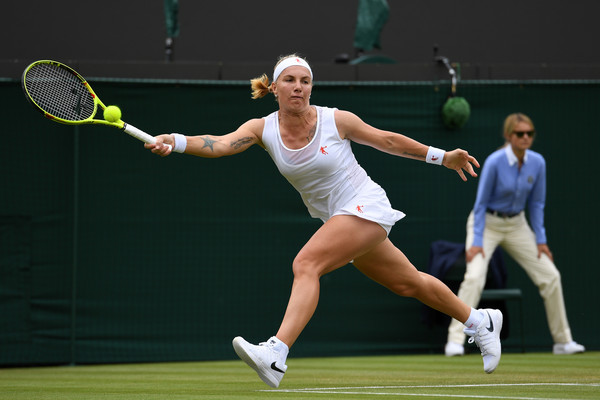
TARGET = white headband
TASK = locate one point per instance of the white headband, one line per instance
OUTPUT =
(289, 62)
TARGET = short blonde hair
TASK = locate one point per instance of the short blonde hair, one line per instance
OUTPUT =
(261, 85)
(511, 122)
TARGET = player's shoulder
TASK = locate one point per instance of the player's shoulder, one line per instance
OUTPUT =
(255, 123)
(254, 126)
(270, 116)
(342, 116)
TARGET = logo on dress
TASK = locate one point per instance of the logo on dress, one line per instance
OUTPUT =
(360, 209)
(323, 150)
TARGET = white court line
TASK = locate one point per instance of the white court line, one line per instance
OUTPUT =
(349, 390)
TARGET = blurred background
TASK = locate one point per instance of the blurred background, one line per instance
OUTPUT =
(111, 254)
(498, 40)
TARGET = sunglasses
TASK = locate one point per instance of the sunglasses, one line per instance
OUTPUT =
(521, 133)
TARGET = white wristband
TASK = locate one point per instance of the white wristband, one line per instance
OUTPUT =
(435, 155)
(180, 142)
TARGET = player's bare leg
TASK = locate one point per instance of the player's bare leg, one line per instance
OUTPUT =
(335, 244)
(338, 241)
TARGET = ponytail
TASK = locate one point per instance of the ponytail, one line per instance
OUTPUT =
(260, 86)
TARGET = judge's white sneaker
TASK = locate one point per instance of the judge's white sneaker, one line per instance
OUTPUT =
(568, 348)
(487, 337)
(454, 349)
(267, 359)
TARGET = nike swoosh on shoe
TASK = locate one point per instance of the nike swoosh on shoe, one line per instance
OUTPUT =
(274, 368)
(491, 327)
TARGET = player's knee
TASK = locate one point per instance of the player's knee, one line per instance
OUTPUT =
(304, 267)
(405, 290)
(405, 287)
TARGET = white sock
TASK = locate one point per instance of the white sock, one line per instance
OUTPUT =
(279, 346)
(475, 319)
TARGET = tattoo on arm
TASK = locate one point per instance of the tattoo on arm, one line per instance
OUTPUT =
(208, 143)
(241, 142)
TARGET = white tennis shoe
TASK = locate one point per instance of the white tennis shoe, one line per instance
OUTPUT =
(571, 347)
(487, 337)
(266, 359)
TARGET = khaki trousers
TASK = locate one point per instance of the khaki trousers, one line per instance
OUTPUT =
(518, 240)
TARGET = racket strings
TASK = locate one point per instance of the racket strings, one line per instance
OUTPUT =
(59, 92)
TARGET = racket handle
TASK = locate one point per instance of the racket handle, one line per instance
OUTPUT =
(139, 134)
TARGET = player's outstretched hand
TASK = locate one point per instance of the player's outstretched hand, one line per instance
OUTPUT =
(163, 146)
(460, 160)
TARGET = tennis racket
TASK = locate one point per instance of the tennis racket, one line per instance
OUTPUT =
(64, 96)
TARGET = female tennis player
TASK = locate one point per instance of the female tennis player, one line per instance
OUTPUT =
(311, 147)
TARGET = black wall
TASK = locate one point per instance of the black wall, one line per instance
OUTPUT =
(496, 40)
(109, 253)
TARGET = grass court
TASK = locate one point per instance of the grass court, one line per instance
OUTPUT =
(519, 376)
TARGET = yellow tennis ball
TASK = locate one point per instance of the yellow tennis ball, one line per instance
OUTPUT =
(112, 113)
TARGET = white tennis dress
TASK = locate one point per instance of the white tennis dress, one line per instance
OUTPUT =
(327, 175)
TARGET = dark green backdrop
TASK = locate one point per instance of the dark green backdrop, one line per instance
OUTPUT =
(111, 254)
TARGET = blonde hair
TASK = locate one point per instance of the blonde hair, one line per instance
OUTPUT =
(261, 86)
(511, 122)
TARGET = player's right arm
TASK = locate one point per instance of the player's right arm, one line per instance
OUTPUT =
(211, 146)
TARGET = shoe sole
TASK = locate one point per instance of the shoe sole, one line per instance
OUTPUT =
(567, 353)
(239, 346)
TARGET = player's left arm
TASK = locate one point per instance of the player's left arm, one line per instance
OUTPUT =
(351, 127)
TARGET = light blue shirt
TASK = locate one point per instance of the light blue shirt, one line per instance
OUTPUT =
(504, 188)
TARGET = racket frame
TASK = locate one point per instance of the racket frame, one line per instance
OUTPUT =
(120, 124)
